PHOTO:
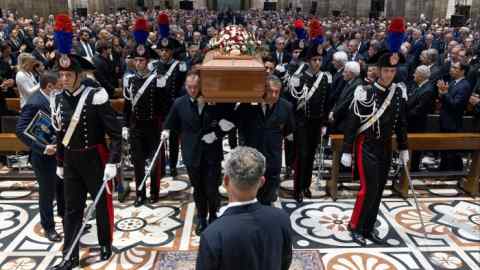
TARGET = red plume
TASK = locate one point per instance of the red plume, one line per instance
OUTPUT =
(397, 25)
(63, 23)
(141, 24)
(162, 18)
(298, 23)
(316, 28)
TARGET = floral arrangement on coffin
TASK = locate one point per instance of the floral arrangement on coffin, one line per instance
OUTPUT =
(234, 40)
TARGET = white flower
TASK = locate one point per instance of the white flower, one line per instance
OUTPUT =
(244, 48)
(226, 37)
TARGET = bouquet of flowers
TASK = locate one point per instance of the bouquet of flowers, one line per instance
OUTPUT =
(234, 40)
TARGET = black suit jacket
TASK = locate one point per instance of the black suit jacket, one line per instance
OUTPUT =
(419, 105)
(265, 132)
(342, 104)
(253, 237)
(285, 59)
(80, 50)
(45, 62)
(454, 104)
(184, 118)
(37, 102)
(105, 73)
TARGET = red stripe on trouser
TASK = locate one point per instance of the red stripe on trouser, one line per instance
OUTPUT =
(103, 152)
(357, 210)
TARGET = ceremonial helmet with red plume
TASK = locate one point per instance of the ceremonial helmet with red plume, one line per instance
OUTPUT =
(163, 25)
(140, 33)
(63, 37)
(316, 32)
(300, 29)
(396, 34)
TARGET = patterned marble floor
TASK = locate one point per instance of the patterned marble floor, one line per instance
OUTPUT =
(161, 236)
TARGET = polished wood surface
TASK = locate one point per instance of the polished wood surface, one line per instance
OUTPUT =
(9, 143)
(232, 79)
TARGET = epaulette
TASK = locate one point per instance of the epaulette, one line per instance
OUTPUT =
(403, 87)
(100, 96)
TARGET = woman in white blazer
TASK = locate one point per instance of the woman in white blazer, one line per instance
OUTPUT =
(25, 79)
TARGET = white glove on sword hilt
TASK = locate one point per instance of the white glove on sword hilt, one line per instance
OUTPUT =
(125, 133)
(404, 157)
(59, 172)
(226, 125)
(346, 160)
(209, 137)
(165, 135)
(110, 171)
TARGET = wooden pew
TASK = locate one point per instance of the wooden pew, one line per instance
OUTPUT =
(9, 143)
(14, 104)
(421, 141)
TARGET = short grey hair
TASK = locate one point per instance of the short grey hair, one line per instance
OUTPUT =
(424, 71)
(432, 55)
(353, 67)
(244, 167)
(341, 57)
(274, 80)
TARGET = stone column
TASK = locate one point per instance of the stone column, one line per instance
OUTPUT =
(394, 8)
(323, 8)
(439, 8)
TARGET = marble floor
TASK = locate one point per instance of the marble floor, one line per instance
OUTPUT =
(161, 236)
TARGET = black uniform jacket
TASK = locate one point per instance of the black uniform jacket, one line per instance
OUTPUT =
(96, 120)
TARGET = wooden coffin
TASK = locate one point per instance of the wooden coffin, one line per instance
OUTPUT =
(232, 78)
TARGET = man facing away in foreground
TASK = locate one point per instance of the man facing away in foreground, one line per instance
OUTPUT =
(248, 235)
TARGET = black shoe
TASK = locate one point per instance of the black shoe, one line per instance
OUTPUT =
(139, 201)
(375, 238)
(153, 199)
(105, 253)
(53, 236)
(67, 265)
(288, 173)
(358, 238)
(201, 226)
(298, 197)
(307, 193)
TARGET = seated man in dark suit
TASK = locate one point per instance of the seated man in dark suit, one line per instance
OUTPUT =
(420, 103)
(248, 235)
(454, 99)
(43, 157)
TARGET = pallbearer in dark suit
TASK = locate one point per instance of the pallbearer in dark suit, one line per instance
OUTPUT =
(420, 103)
(308, 94)
(42, 157)
(83, 115)
(202, 127)
(247, 235)
(143, 113)
(376, 113)
(264, 128)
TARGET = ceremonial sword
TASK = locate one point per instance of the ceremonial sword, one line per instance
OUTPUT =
(152, 163)
(417, 206)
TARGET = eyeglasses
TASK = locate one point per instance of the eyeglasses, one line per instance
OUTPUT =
(316, 60)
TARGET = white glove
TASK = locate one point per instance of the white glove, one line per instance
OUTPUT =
(226, 125)
(110, 171)
(165, 134)
(290, 137)
(324, 131)
(59, 172)
(330, 117)
(404, 157)
(346, 160)
(125, 133)
(209, 138)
